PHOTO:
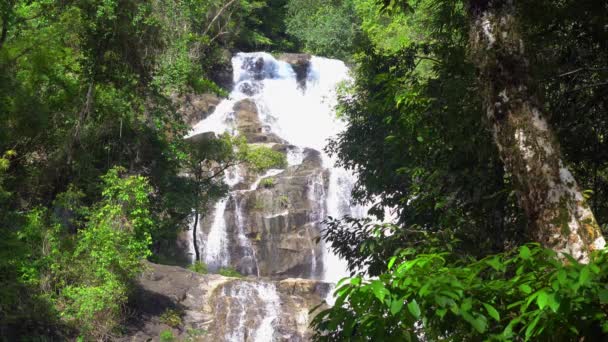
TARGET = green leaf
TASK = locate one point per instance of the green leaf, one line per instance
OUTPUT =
(396, 306)
(603, 294)
(413, 308)
(542, 299)
(441, 312)
(492, 311)
(525, 288)
(379, 290)
(420, 139)
(584, 276)
(495, 263)
(553, 303)
(524, 252)
(531, 327)
(562, 277)
(391, 262)
(479, 323)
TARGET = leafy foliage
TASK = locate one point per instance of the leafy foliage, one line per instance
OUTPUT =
(268, 182)
(453, 267)
(529, 294)
(229, 272)
(86, 276)
(199, 267)
(167, 336)
(327, 28)
(172, 318)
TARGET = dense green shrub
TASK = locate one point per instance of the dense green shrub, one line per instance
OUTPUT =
(325, 28)
(529, 294)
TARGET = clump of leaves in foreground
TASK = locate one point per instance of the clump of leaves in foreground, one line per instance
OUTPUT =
(527, 294)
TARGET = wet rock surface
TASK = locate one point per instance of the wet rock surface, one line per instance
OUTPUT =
(216, 308)
(300, 62)
(250, 125)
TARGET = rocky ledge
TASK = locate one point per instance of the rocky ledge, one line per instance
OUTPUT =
(211, 307)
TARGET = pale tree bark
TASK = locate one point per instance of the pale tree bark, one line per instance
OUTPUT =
(559, 216)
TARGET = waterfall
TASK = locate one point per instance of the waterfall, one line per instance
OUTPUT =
(268, 293)
(302, 117)
(216, 246)
(250, 260)
(251, 301)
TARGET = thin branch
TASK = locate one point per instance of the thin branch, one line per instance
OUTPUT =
(429, 58)
(219, 13)
(579, 70)
(587, 86)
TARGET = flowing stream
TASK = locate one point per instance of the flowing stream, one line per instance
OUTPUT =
(303, 116)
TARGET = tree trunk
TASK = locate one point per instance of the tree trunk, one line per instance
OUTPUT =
(194, 241)
(558, 215)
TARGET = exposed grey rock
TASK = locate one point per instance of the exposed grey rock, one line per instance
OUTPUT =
(279, 222)
(221, 72)
(250, 126)
(300, 63)
(196, 107)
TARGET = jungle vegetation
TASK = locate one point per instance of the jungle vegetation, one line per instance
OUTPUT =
(482, 124)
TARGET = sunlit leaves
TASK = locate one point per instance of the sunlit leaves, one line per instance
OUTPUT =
(482, 299)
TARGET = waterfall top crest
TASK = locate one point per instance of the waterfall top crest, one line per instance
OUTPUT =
(303, 116)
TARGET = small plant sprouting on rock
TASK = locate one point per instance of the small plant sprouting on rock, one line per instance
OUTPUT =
(167, 336)
(172, 318)
(230, 272)
(268, 182)
(194, 334)
(283, 201)
(258, 204)
(199, 267)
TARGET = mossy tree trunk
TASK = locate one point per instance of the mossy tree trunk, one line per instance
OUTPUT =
(559, 216)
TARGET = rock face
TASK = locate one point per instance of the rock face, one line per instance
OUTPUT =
(216, 308)
(195, 107)
(250, 126)
(300, 63)
(278, 215)
(279, 219)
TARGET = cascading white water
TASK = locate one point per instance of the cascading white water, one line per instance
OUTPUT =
(268, 293)
(216, 254)
(246, 298)
(305, 118)
(318, 199)
(216, 246)
(245, 244)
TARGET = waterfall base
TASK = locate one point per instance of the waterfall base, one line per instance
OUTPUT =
(217, 308)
